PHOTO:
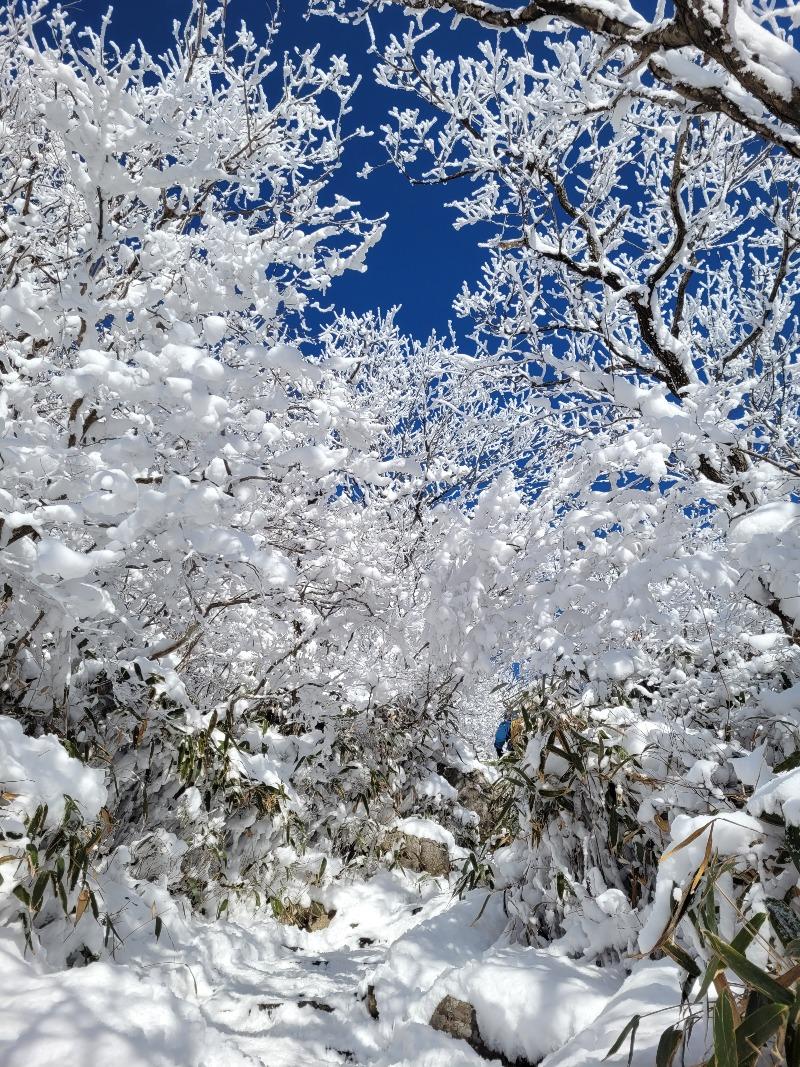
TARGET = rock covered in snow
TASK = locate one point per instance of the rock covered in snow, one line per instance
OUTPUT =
(418, 853)
(528, 1002)
(421, 845)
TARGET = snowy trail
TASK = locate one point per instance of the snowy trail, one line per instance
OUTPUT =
(251, 992)
(286, 998)
(234, 997)
(275, 996)
(295, 1009)
(231, 993)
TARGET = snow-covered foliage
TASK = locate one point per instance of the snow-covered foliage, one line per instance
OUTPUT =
(264, 563)
(641, 290)
(217, 548)
(740, 60)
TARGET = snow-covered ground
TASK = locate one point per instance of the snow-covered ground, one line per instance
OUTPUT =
(236, 992)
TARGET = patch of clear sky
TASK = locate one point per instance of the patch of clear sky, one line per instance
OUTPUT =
(422, 260)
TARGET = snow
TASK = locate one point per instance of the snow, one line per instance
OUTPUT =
(779, 795)
(529, 1002)
(236, 992)
(653, 990)
(38, 770)
(383, 908)
(449, 938)
(427, 828)
(766, 540)
(104, 1013)
(248, 992)
(616, 665)
(784, 703)
(436, 788)
(233, 993)
(55, 558)
(752, 769)
(416, 1045)
(773, 61)
(769, 519)
(259, 556)
(732, 833)
(214, 327)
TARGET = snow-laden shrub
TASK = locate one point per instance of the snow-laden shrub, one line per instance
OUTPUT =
(613, 760)
(655, 809)
(52, 819)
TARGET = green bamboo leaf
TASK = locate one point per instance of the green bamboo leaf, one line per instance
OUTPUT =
(682, 958)
(785, 921)
(709, 910)
(791, 1042)
(58, 889)
(38, 889)
(740, 943)
(668, 1045)
(793, 844)
(749, 972)
(630, 1028)
(37, 821)
(725, 1053)
(788, 764)
(755, 1030)
(22, 894)
(794, 1014)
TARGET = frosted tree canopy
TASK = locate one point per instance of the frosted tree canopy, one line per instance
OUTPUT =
(273, 569)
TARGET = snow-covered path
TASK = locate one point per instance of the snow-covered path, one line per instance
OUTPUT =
(300, 1008)
(251, 992)
(281, 996)
(264, 1005)
(226, 994)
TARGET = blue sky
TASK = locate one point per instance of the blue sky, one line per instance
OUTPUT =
(421, 261)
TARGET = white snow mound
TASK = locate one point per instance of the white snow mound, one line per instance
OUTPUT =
(38, 770)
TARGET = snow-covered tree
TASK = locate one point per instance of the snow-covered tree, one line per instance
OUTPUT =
(218, 530)
(738, 60)
(634, 182)
(258, 557)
